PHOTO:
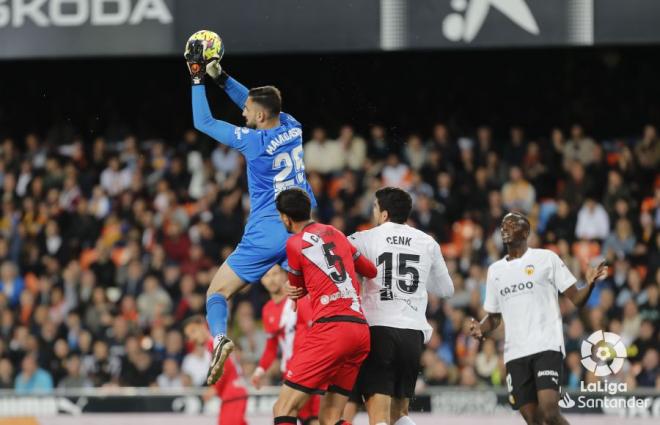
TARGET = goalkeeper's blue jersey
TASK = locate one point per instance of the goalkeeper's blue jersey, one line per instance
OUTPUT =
(274, 156)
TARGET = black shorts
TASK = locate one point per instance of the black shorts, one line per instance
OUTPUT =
(392, 366)
(527, 375)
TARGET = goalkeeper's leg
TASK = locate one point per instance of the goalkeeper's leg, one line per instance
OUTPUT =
(224, 285)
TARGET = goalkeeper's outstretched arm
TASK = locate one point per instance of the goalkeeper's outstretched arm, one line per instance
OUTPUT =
(236, 91)
(225, 133)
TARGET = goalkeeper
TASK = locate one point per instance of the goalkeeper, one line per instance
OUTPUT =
(271, 143)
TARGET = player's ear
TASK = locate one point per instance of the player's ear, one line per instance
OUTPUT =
(384, 216)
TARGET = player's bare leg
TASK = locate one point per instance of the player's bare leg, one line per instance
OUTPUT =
(288, 404)
(549, 407)
(399, 412)
(332, 408)
(350, 411)
(224, 285)
(530, 412)
(378, 408)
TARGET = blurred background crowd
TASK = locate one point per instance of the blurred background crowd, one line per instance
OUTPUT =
(108, 244)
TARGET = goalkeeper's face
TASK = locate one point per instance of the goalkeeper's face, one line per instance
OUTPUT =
(254, 114)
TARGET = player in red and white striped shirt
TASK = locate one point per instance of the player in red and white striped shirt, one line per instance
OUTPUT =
(230, 388)
(286, 327)
(324, 263)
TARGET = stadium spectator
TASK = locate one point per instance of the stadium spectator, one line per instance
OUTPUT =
(170, 377)
(616, 191)
(11, 284)
(196, 365)
(139, 370)
(252, 338)
(6, 374)
(579, 147)
(73, 378)
(647, 154)
(621, 242)
(98, 365)
(32, 379)
(486, 362)
(153, 302)
(114, 180)
(396, 173)
(322, 154)
(592, 221)
(415, 152)
(647, 374)
(518, 194)
(354, 148)
(514, 151)
(441, 141)
(561, 226)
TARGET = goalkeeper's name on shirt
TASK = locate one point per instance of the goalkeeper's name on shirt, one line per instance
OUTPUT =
(282, 138)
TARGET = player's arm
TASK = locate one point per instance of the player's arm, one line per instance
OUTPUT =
(488, 324)
(267, 359)
(293, 254)
(493, 319)
(225, 133)
(236, 91)
(440, 282)
(577, 296)
(363, 265)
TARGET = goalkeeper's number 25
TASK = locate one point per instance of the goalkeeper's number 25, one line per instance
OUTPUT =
(286, 163)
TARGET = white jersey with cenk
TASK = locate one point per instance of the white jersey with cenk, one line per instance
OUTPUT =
(525, 291)
(409, 264)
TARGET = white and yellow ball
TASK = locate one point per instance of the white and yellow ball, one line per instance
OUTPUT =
(214, 48)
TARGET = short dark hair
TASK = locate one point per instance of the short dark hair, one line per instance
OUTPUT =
(268, 97)
(396, 202)
(294, 203)
(520, 217)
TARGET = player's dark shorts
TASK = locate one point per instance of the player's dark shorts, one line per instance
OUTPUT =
(529, 374)
(392, 366)
(330, 356)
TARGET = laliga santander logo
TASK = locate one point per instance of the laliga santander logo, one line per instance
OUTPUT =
(603, 354)
(608, 349)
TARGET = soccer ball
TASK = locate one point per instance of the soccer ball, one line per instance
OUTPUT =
(214, 48)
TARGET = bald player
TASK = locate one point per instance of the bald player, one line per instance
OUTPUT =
(522, 291)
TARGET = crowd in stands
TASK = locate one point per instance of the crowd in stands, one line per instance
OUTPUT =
(106, 246)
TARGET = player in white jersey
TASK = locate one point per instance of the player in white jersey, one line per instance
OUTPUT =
(521, 290)
(409, 264)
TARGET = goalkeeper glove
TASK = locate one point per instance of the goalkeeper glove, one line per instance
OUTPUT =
(195, 60)
(215, 71)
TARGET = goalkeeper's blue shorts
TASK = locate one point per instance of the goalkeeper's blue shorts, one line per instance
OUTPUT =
(263, 245)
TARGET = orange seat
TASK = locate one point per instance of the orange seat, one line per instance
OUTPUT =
(119, 256)
(87, 257)
(642, 270)
(449, 250)
(612, 158)
(648, 204)
(584, 251)
(364, 226)
(552, 247)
